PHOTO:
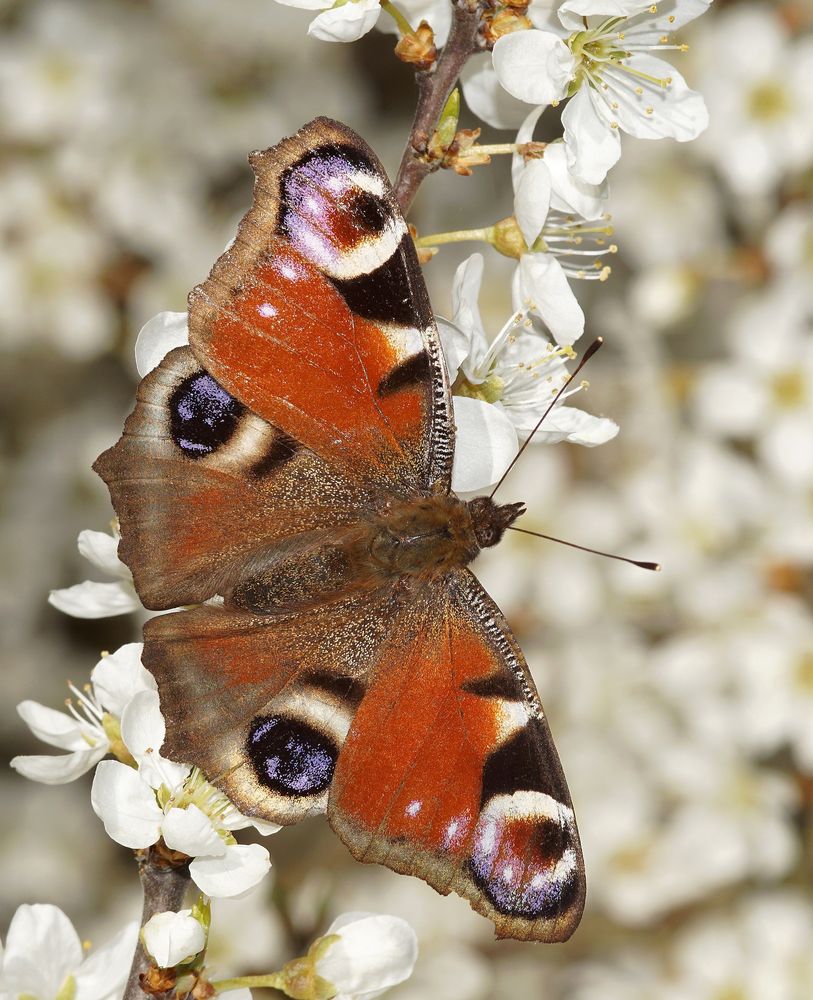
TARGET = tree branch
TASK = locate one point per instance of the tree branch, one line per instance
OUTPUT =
(434, 87)
(164, 883)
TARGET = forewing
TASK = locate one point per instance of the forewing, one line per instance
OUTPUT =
(262, 704)
(449, 771)
(317, 316)
(199, 482)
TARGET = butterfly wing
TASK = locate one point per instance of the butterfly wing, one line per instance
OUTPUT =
(449, 772)
(199, 483)
(317, 317)
(262, 704)
(314, 388)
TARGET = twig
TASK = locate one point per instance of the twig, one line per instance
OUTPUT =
(434, 87)
(164, 885)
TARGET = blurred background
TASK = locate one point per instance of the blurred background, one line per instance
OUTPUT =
(682, 703)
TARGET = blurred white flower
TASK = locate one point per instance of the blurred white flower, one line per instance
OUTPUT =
(504, 387)
(44, 959)
(171, 938)
(771, 661)
(90, 729)
(764, 391)
(99, 600)
(605, 68)
(761, 105)
(758, 950)
(339, 22)
(158, 337)
(373, 953)
(163, 799)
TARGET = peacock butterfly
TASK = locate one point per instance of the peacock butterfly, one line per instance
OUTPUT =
(295, 461)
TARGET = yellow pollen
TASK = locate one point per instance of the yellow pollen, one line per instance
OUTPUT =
(671, 18)
(613, 248)
(650, 111)
(621, 36)
(614, 105)
(613, 124)
(639, 91)
(580, 274)
(554, 104)
(664, 40)
(653, 9)
(684, 47)
(584, 384)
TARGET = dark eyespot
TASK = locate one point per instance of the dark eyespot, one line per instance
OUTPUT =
(290, 756)
(202, 415)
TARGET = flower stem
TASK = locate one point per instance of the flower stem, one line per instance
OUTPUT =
(398, 16)
(456, 236)
(272, 981)
(164, 886)
(434, 87)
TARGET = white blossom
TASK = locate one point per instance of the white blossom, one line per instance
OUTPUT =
(504, 387)
(44, 959)
(756, 79)
(89, 729)
(339, 22)
(605, 66)
(171, 937)
(164, 799)
(99, 600)
(373, 953)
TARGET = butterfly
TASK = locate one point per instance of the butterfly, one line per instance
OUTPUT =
(286, 479)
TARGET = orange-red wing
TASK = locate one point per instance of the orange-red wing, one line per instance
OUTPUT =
(261, 703)
(317, 317)
(449, 772)
(200, 484)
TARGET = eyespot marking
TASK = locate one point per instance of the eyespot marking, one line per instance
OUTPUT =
(202, 415)
(291, 757)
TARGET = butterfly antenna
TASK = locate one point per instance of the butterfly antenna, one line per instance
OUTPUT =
(591, 350)
(640, 563)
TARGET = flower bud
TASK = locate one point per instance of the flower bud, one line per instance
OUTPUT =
(507, 238)
(172, 939)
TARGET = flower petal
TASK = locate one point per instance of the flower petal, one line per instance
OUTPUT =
(42, 950)
(58, 729)
(532, 199)
(573, 12)
(191, 831)
(102, 550)
(533, 66)
(455, 345)
(569, 193)
(241, 868)
(118, 677)
(673, 111)
(374, 953)
(104, 972)
(487, 99)
(95, 600)
(566, 423)
(525, 134)
(540, 281)
(160, 335)
(171, 938)
(59, 769)
(347, 23)
(465, 309)
(126, 805)
(592, 145)
(143, 730)
(485, 444)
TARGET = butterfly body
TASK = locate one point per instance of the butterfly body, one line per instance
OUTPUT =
(294, 462)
